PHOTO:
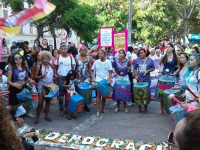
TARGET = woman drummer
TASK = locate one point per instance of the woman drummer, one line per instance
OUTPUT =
(171, 63)
(103, 69)
(141, 71)
(192, 76)
(169, 60)
(121, 67)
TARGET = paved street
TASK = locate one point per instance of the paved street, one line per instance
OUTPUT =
(130, 126)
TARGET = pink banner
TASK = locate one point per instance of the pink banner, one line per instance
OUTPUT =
(105, 37)
(1, 42)
(120, 40)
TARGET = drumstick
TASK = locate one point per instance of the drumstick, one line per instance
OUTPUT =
(172, 97)
(139, 80)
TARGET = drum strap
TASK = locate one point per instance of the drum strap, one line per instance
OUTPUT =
(144, 74)
(197, 77)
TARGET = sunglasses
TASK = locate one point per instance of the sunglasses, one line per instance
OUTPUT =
(18, 58)
(170, 141)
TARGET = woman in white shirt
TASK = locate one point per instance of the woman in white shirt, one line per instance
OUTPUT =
(158, 53)
(153, 55)
(103, 69)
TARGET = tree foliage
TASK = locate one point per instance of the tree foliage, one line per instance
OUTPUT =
(152, 19)
(154, 22)
(110, 12)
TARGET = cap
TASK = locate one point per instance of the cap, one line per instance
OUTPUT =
(14, 42)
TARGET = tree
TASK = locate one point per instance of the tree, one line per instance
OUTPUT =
(194, 21)
(110, 13)
(155, 22)
(185, 15)
(62, 18)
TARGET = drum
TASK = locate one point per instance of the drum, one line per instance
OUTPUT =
(85, 90)
(164, 82)
(168, 102)
(76, 103)
(104, 88)
(177, 115)
(141, 93)
(122, 91)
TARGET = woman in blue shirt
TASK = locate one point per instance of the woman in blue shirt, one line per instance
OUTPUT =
(171, 63)
(142, 68)
(169, 60)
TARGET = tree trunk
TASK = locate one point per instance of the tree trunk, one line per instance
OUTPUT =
(174, 36)
(54, 38)
(185, 28)
(130, 22)
(38, 33)
(38, 36)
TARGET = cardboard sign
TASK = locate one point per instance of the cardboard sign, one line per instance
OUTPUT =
(120, 41)
(105, 37)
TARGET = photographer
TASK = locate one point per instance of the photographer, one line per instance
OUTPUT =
(18, 113)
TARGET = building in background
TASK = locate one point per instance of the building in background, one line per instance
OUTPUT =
(29, 33)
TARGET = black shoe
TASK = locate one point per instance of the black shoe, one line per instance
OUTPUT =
(68, 118)
(86, 109)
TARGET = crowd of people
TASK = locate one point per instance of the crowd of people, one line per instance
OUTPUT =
(45, 65)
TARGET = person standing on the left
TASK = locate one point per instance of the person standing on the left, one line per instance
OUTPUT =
(17, 76)
(4, 55)
(64, 63)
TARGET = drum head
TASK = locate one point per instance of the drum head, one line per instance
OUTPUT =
(167, 79)
(139, 84)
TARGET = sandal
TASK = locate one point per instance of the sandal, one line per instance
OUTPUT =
(74, 117)
(36, 122)
(48, 119)
(97, 115)
(146, 112)
(103, 111)
(61, 114)
(160, 112)
(68, 118)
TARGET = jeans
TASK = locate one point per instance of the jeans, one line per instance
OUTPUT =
(27, 146)
(131, 81)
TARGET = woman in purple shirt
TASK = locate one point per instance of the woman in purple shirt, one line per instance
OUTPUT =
(121, 66)
(142, 68)
(17, 76)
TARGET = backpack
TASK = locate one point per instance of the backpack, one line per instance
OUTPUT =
(40, 73)
(58, 57)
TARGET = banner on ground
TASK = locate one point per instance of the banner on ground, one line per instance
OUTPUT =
(154, 78)
(11, 25)
(120, 41)
(105, 37)
(64, 140)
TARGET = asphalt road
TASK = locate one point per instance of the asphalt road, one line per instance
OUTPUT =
(130, 126)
